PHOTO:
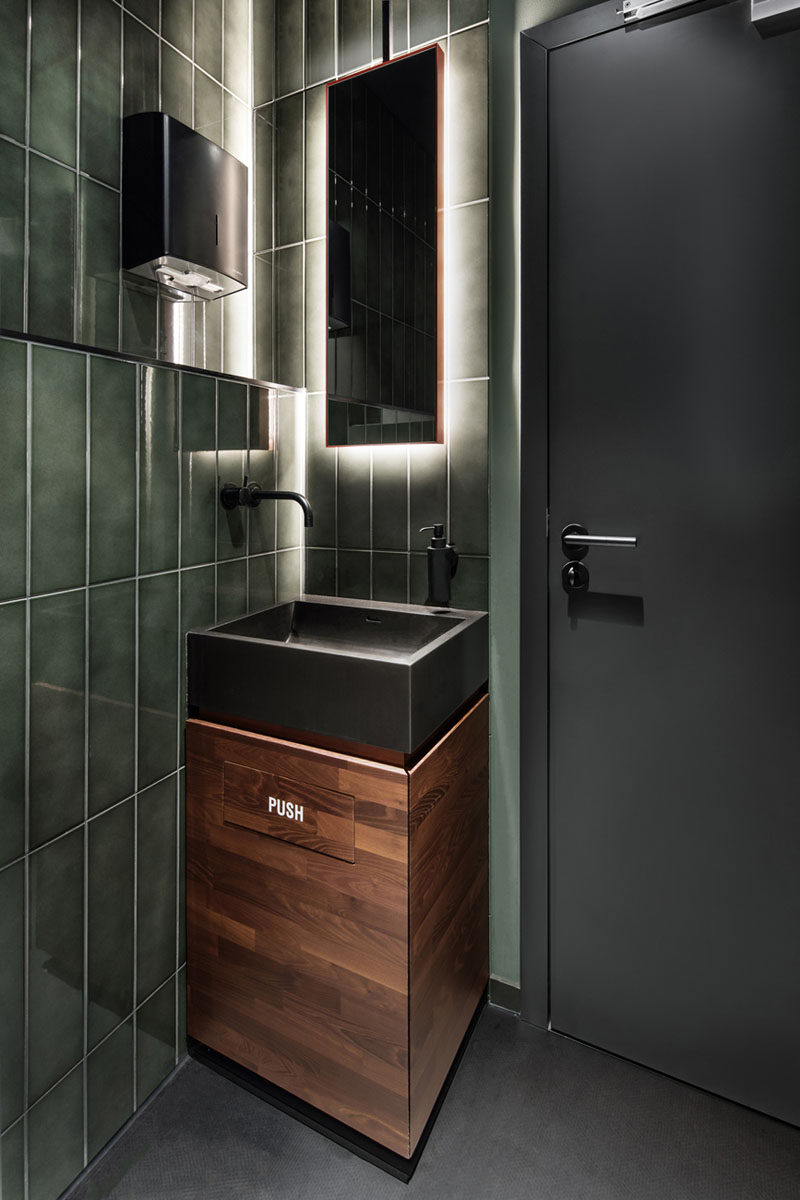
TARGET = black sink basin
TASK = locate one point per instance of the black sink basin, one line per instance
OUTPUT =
(386, 675)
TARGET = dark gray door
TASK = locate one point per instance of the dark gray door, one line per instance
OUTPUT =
(674, 358)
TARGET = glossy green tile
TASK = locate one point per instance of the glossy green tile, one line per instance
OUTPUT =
(289, 50)
(468, 319)
(101, 45)
(390, 577)
(471, 584)
(145, 10)
(12, 731)
(54, 84)
(156, 892)
(427, 20)
(109, 1088)
(321, 572)
(13, 438)
(263, 51)
(469, 483)
(289, 311)
(158, 478)
(197, 612)
(208, 37)
(139, 334)
(231, 589)
(355, 34)
(399, 27)
(237, 128)
(261, 582)
(12, 1161)
(207, 107)
(320, 474)
(112, 697)
(176, 24)
(468, 137)
(354, 499)
(199, 469)
(57, 714)
(263, 133)
(55, 1139)
(264, 318)
(289, 170)
(110, 920)
(176, 85)
(390, 499)
(288, 463)
(320, 40)
(58, 448)
(232, 432)
(289, 575)
(353, 574)
(55, 996)
(12, 993)
(236, 46)
(316, 180)
(12, 245)
(99, 265)
(52, 249)
(467, 12)
(316, 311)
(155, 1040)
(13, 60)
(112, 481)
(261, 417)
(140, 90)
(159, 647)
(428, 491)
(231, 524)
(262, 521)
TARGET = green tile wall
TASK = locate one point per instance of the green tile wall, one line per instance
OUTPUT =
(69, 74)
(116, 555)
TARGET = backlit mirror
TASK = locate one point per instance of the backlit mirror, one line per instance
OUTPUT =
(385, 350)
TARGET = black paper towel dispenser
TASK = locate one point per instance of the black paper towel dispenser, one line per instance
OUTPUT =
(184, 209)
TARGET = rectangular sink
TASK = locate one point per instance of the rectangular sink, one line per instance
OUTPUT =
(384, 675)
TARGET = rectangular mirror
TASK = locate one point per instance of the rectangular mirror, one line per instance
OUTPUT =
(385, 203)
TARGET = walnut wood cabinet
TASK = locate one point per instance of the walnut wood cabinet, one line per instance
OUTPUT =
(337, 916)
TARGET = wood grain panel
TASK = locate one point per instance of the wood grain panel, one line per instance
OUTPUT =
(448, 903)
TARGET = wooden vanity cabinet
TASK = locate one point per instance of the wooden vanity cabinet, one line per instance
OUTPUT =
(337, 917)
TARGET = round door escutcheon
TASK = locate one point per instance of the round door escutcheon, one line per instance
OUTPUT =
(574, 577)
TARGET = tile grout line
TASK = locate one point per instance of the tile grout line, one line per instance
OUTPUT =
(77, 261)
(179, 702)
(26, 220)
(121, 288)
(26, 905)
(141, 382)
(86, 693)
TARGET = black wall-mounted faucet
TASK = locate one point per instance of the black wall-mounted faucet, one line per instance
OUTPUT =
(442, 566)
(251, 495)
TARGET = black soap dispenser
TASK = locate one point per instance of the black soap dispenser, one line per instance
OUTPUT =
(442, 565)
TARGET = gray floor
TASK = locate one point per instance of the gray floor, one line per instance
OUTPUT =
(530, 1116)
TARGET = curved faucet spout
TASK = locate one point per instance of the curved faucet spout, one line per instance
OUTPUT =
(251, 494)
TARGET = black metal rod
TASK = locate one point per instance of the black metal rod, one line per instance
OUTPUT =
(387, 30)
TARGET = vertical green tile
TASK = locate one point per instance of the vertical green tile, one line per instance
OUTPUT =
(316, 181)
(289, 578)
(109, 1088)
(140, 91)
(197, 612)
(155, 1040)
(471, 584)
(237, 128)
(145, 10)
(52, 249)
(353, 574)
(57, 714)
(289, 170)
(264, 317)
(399, 26)
(156, 895)
(13, 61)
(231, 589)
(55, 995)
(58, 511)
(468, 137)
(289, 313)
(261, 469)
(158, 479)
(176, 85)
(207, 107)
(13, 438)
(390, 499)
(12, 1161)
(112, 486)
(289, 49)
(428, 491)
(289, 458)
(99, 266)
(353, 499)
(236, 67)
(469, 483)
(159, 648)
(467, 12)
(139, 332)
(261, 582)
(208, 37)
(176, 24)
(232, 433)
(315, 316)
(101, 37)
(199, 470)
(390, 577)
(12, 244)
(263, 51)
(355, 34)
(320, 40)
(427, 20)
(231, 524)
(110, 920)
(468, 319)
(55, 1139)
(12, 995)
(112, 634)
(320, 572)
(418, 578)
(12, 731)
(54, 83)
(320, 475)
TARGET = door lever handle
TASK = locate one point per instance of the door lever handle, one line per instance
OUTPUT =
(577, 542)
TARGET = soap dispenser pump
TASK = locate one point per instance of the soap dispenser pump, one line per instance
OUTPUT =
(442, 565)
